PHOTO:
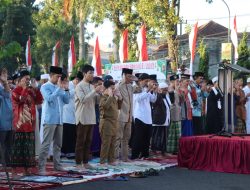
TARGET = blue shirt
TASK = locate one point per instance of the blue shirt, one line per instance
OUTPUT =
(6, 112)
(54, 99)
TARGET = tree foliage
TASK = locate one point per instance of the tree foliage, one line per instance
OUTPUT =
(16, 25)
(163, 15)
(9, 50)
(79, 11)
(52, 27)
(124, 15)
(4, 4)
(204, 59)
(244, 52)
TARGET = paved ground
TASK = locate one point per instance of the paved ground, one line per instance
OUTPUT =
(172, 179)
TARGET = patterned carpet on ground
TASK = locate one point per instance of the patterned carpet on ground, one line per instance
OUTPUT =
(73, 175)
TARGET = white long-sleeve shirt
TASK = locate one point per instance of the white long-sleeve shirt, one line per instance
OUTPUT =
(69, 109)
(142, 108)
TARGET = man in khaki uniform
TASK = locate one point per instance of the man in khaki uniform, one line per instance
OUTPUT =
(85, 97)
(125, 117)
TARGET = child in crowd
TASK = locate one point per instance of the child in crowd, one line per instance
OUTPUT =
(109, 103)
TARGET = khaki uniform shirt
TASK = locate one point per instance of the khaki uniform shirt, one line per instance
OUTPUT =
(126, 110)
(108, 115)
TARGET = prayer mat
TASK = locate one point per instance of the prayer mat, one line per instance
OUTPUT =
(163, 160)
(20, 185)
(91, 172)
(51, 179)
(74, 175)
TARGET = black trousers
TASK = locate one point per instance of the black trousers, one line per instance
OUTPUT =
(6, 140)
(198, 126)
(159, 138)
(141, 139)
(69, 139)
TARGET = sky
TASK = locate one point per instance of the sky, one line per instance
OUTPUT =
(192, 11)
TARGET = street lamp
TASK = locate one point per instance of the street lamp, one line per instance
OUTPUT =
(228, 35)
(226, 81)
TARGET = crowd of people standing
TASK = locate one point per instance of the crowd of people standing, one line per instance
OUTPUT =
(92, 114)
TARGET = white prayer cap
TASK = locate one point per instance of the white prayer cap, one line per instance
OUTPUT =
(163, 85)
(215, 79)
(45, 76)
(248, 80)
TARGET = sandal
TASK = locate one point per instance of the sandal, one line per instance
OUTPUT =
(138, 175)
(152, 172)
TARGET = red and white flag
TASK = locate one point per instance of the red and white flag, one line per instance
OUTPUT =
(234, 39)
(55, 54)
(71, 55)
(142, 44)
(123, 47)
(28, 55)
(192, 45)
(96, 61)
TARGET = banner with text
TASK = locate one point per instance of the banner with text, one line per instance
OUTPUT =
(157, 67)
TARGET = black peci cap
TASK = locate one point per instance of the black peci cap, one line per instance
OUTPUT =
(56, 70)
(173, 77)
(137, 75)
(127, 71)
(153, 77)
(144, 76)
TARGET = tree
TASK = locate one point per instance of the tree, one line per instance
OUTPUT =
(81, 9)
(244, 52)
(9, 50)
(124, 15)
(52, 27)
(4, 4)
(204, 59)
(16, 25)
(163, 16)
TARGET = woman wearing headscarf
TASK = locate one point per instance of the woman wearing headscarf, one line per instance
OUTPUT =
(24, 99)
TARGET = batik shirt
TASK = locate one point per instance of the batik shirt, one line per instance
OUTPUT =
(197, 107)
(24, 109)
